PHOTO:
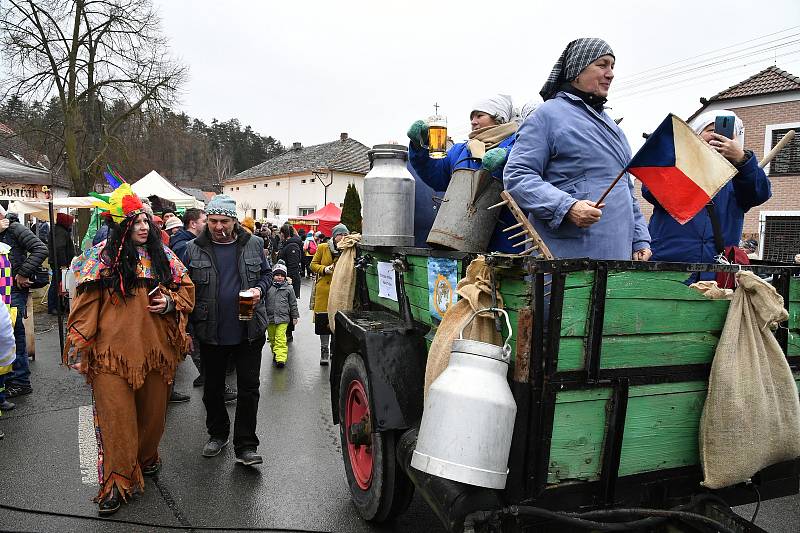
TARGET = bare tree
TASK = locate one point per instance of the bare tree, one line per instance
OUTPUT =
(223, 167)
(273, 205)
(87, 53)
(245, 206)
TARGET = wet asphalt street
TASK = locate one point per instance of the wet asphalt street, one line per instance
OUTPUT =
(300, 486)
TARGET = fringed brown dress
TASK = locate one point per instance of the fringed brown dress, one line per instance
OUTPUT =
(129, 356)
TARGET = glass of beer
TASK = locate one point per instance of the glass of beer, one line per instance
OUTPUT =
(437, 137)
(247, 304)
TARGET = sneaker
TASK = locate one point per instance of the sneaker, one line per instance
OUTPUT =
(249, 458)
(5, 405)
(214, 446)
(199, 381)
(177, 397)
(324, 357)
(13, 391)
(229, 394)
(151, 470)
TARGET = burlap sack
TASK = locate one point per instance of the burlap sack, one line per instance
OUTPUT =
(476, 293)
(751, 418)
(343, 282)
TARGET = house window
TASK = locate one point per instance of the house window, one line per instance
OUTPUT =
(254, 186)
(787, 162)
(265, 185)
(231, 188)
(313, 180)
(264, 213)
(237, 188)
(303, 211)
(277, 183)
(277, 211)
(302, 181)
(253, 213)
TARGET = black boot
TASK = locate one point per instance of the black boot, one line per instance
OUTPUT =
(110, 504)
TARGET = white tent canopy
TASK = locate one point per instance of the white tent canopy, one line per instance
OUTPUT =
(155, 184)
(39, 209)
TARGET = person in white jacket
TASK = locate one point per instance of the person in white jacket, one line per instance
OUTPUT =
(8, 351)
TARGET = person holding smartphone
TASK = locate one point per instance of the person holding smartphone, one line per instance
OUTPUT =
(697, 241)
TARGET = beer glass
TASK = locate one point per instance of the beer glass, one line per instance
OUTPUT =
(437, 137)
(246, 304)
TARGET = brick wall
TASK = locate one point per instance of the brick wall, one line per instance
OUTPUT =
(785, 189)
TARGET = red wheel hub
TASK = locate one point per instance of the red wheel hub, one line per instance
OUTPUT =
(357, 412)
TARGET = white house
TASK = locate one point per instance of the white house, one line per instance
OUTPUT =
(301, 180)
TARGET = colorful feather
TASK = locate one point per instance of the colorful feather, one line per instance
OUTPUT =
(112, 181)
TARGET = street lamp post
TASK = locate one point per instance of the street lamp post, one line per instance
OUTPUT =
(321, 176)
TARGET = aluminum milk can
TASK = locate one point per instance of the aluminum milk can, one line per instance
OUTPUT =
(469, 415)
(388, 205)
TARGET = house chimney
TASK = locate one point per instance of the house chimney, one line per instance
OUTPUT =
(343, 136)
(297, 146)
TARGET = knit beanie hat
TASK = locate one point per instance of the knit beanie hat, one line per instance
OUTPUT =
(249, 224)
(339, 229)
(172, 223)
(280, 266)
(222, 204)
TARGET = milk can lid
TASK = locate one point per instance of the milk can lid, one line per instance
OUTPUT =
(388, 151)
(483, 349)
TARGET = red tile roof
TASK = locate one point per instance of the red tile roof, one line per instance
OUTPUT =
(769, 81)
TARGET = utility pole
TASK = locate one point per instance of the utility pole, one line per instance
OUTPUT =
(321, 176)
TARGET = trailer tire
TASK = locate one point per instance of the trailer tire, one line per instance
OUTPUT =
(379, 488)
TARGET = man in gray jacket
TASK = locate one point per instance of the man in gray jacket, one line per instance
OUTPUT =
(222, 261)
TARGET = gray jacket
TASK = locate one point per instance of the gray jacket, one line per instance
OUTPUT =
(254, 271)
(281, 304)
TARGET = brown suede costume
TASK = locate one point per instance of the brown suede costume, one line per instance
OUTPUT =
(129, 356)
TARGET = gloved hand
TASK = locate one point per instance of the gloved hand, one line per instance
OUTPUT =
(494, 159)
(418, 133)
(328, 269)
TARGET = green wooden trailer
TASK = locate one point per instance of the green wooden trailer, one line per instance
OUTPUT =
(609, 371)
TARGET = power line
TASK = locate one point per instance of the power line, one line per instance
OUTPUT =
(713, 51)
(702, 67)
(710, 61)
(684, 83)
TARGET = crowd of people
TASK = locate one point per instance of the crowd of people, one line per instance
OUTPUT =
(175, 281)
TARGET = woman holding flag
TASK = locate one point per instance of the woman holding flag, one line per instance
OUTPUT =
(568, 153)
(697, 241)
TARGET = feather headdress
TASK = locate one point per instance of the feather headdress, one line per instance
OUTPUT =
(120, 204)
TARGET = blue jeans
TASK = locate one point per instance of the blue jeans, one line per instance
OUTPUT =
(21, 373)
(3, 388)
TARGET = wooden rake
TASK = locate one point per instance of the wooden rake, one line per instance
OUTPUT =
(530, 235)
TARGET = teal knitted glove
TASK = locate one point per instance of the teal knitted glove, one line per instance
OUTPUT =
(418, 133)
(494, 159)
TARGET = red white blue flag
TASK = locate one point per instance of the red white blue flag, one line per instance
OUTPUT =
(681, 170)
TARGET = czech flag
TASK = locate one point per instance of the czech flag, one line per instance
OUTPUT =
(680, 169)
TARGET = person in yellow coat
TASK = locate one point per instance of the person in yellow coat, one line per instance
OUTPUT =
(322, 265)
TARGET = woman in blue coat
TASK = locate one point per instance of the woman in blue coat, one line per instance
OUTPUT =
(568, 153)
(694, 241)
(492, 136)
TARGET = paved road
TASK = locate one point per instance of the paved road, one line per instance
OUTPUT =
(299, 487)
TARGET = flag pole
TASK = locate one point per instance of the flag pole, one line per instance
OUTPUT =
(603, 197)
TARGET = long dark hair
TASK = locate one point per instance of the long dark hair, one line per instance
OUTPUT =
(120, 252)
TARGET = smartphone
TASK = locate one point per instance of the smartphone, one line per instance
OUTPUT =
(723, 125)
(151, 294)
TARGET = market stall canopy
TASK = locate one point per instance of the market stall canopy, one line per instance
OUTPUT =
(155, 184)
(39, 209)
(325, 218)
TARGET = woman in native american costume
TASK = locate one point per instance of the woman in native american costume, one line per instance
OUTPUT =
(126, 333)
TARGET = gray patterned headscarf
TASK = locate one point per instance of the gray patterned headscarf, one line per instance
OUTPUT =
(578, 55)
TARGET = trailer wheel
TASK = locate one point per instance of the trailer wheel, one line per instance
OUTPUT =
(380, 490)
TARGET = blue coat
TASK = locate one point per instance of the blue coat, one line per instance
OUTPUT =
(566, 152)
(436, 173)
(693, 242)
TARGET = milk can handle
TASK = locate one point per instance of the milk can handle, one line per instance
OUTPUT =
(506, 345)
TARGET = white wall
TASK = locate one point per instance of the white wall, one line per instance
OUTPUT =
(290, 191)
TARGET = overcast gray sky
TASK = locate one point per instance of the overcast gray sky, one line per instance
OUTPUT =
(306, 71)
